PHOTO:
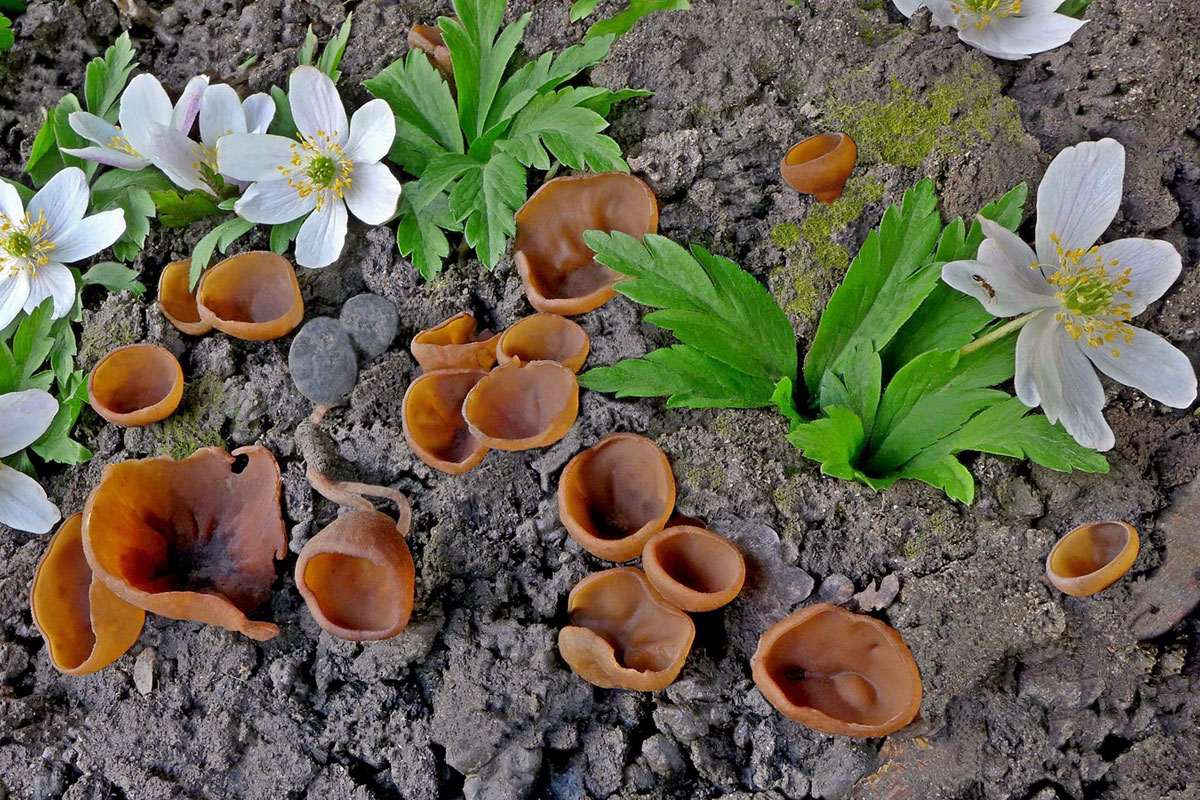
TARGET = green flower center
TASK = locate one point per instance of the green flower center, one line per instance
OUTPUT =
(322, 171)
(985, 11)
(19, 244)
(1093, 296)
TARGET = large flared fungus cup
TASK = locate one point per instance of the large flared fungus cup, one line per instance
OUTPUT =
(693, 567)
(545, 337)
(622, 634)
(252, 296)
(194, 539)
(615, 495)
(176, 301)
(820, 165)
(428, 39)
(454, 344)
(522, 406)
(85, 625)
(136, 385)
(1092, 557)
(433, 422)
(357, 577)
(557, 267)
(838, 672)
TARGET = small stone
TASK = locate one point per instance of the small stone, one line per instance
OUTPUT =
(836, 589)
(371, 321)
(662, 755)
(872, 599)
(322, 361)
(143, 671)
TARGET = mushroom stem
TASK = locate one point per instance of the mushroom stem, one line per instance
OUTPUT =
(353, 495)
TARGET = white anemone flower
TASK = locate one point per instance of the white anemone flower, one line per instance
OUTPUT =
(36, 242)
(1007, 29)
(1076, 298)
(334, 165)
(143, 104)
(191, 165)
(24, 417)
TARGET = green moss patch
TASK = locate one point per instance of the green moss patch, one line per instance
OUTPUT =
(197, 423)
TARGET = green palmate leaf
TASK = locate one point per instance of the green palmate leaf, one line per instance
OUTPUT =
(426, 118)
(308, 48)
(6, 34)
(331, 55)
(10, 371)
(66, 137)
(1074, 8)
(62, 354)
(139, 210)
(175, 211)
(44, 159)
(114, 277)
(56, 444)
(421, 236)
(282, 124)
(480, 57)
(834, 440)
(546, 73)
(106, 77)
(219, 238)
(884, 285)
(556, 122)
(284, 234)
(582, 8)
(485, 200)
(619, 24)
(33, 342)
(855, 383)
(685, 376)
(115, 182)
(603, 100)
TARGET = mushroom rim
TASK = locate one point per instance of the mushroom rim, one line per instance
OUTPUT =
(1128, 553)
(475, 457)
(249, 330)
(157, 411)
(702, 601)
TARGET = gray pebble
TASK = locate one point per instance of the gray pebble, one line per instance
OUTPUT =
(322, 361)
(371, 321)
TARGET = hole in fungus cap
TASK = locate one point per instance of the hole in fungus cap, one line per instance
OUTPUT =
(557, 267)
(433, 422)
(454, 344)
(522, 406)
(820, 165)
(838, 672)
(693, 567)
(1092, 557)
(136, 385)
(252, 296)
(544, 337)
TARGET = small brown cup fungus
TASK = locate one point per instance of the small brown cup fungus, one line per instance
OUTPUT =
(428, 39)
(454, 344)
(622, 634)
(1092, 557)
(615, 495)
(838, 672)
(557, 267)
(522, 406)
(545, 337)
(694, 568)
(820, 165)
(191, 539)
(136, 385)
(86, 626)
(433, 422)
(176, 301)
(252, 296)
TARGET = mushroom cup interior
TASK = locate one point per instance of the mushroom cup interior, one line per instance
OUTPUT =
(133, 378)
(699, 563)
(620, 486)
(354, 592)
(253, 288)
(433, 420)
(1088, 549)
(620, 607)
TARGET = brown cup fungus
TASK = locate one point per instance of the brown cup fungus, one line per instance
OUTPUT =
(1092, 557)
(820, 165)
(136, 385)
(622, 635)
(85, 625)
(433, 421)
(522, 406)
(252, 296)
(693, 567)
(557, 267)
(838, 672)
(545, 337)
(193, 539)
(428, 39)
(176, 301)
(615, 495)
(454, 344)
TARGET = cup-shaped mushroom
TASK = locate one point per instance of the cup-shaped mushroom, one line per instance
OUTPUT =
(522, 406)
(433, 421)
(455, 344)
(820, 165)
(428, 39)
(1092, 557)
(252, 296)
(135, 385)
(622, 634)
(693, 567)
(557, 267)
(838, 672)
(193, 539)
(615, 495)
(176, 301)
(86, 626)
(357, 577)
(545, 337)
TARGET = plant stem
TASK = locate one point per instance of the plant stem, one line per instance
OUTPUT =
(997, 334)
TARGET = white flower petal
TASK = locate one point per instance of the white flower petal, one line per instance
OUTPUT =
(942, 13)
(373, 193)
(253, 156)
(24, 417)
(1029, 345)
(1037, 8)
(108, 157)
(1022, 36)
(372, 130)
(23, 503)
(258, 110)
(1150, 364)
(144, 102)
(908, 7)
(316, 106)
(63, 200)
(1078, 197)
(93, 128)
(190, 104)
(14, 291)
(178, 157)
(1067, 385)
(273, 203)
(90, 235)
(322, 235)
(1153, 266)
(54, 281)
(1001, 278)
(10, 202)
(221, 114)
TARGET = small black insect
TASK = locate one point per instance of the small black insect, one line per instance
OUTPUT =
(987, 287)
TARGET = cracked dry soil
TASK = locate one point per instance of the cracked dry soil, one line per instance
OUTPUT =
(1029, 695)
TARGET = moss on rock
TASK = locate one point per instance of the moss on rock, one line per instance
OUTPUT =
(197, 423)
